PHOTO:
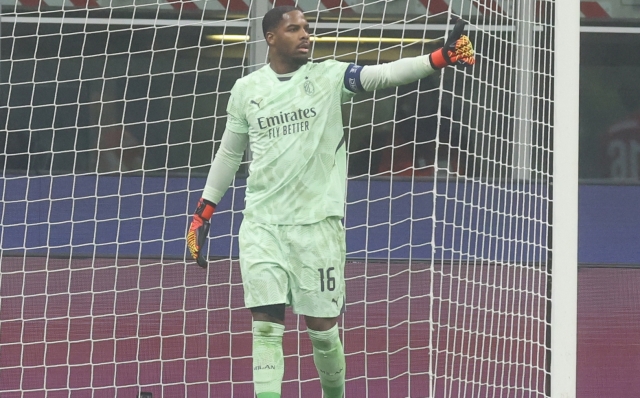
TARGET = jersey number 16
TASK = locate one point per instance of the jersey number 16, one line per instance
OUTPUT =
(331, 280)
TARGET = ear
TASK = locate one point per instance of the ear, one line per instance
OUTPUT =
(270, 37)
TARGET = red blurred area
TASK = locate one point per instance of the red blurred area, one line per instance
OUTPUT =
(115, 327)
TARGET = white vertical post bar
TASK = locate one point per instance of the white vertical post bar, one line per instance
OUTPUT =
(564, 292)
(257, 45)
(526, 15)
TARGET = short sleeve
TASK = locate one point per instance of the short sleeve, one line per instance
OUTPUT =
(236, 119)
(338, 70)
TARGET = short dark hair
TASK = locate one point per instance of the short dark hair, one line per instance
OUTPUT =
(273, 17)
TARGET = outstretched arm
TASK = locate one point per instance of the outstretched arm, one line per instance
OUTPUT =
(396, 73)
(457, 50)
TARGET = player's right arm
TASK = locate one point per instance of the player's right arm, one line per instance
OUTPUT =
(224, 167)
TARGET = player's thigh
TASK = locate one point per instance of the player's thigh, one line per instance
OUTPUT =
(316, 261)
(264, 279)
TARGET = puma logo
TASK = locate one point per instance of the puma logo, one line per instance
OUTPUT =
(335, 300)
(256, 103)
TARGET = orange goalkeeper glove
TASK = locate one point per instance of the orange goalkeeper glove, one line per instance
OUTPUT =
(199, 229)
(457, 50)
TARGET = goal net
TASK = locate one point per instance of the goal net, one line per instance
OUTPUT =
(111, 112)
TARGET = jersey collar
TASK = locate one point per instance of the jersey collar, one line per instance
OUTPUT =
(286, 76)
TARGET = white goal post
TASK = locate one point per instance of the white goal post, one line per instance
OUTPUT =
(564, 290)
(110, 113)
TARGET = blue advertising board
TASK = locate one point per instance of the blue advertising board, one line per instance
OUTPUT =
(131, 216)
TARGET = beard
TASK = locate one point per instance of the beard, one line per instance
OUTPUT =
(300, 60)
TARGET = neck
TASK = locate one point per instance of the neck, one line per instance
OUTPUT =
(282, 66)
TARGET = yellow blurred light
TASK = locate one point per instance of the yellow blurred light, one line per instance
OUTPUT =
(331, 39)
(347, 39)
(235, 38)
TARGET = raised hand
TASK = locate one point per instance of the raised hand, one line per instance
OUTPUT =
(457, 50)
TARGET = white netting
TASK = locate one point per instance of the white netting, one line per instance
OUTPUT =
(110, 114)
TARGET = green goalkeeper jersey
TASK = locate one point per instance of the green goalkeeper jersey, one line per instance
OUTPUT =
(298, 170)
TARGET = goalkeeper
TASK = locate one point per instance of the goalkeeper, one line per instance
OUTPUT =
(292, 241)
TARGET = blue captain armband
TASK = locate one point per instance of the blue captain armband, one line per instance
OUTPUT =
(352, 78)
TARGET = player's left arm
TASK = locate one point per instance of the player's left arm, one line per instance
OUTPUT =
(457, 50)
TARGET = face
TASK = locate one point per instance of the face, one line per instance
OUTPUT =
(290, 39)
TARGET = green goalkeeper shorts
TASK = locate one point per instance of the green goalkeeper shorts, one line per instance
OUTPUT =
(299, 265)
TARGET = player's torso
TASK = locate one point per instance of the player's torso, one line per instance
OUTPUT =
(295, 131)
(297, 113)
